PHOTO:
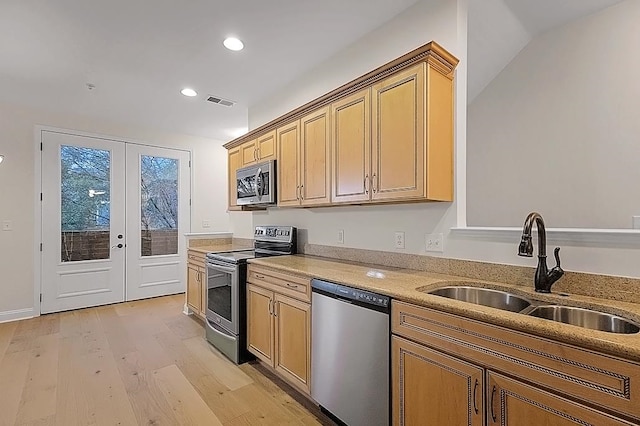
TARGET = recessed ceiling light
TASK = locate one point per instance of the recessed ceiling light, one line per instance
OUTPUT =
(189, 92)
(1, 158)
(233, 43)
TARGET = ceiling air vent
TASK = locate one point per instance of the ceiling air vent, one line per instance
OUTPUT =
(220, 101)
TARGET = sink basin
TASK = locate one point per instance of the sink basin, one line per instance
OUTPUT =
(483, 296)
(586, 318)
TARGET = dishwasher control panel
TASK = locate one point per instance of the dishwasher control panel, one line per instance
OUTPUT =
(351, 293)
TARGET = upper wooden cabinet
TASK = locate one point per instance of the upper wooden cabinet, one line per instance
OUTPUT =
(351, 148)
(304, 172)
(384, 137)
(266, 147)
(235, 163)
(288, 145)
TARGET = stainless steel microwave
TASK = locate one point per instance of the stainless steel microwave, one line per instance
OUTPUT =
(256, 184)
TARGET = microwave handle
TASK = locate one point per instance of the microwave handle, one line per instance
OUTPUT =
(259, 182)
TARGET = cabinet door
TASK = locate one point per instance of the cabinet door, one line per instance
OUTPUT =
(249, 153)
(432, 389)
(398, 140)
(513, 403)
(315, 161)
(194, 288)
(266, 146)
(293, 340)
(235, 162)
(351, 148)
(260, 323)
(288, 139)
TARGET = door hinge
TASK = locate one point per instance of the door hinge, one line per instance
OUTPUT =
(40, 297)
(189, 202)
(40, 246)
(40, 146)
(41, 196)
(189, 163)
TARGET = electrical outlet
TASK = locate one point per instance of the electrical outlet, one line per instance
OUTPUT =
(399, 240)
(7, 225)
(341, 236)
(206, 224)
(435, 242)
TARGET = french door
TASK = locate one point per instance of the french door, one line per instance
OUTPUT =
(112, 216)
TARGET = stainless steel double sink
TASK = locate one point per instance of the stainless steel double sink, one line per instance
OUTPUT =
(581, 317)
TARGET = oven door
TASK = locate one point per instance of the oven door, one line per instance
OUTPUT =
(222, 295)
(256, 184)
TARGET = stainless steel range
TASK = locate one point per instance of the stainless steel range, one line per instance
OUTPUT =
(226, 326)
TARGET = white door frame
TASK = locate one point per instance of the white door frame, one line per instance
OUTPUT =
(37, 237)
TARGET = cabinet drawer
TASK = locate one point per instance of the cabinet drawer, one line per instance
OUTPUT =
(290, 285)
(195, 258)
(596, 378)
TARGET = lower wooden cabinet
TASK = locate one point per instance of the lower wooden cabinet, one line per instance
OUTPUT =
(431, 388)
(440, 360)
(279, 326)
(513, 403)
(196, 291)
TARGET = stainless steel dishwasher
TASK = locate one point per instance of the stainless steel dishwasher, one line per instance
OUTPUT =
(350, 353)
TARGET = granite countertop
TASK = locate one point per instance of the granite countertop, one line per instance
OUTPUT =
(411, 286)
(219, 248)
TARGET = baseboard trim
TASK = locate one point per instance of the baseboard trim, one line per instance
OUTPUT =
(15, 315)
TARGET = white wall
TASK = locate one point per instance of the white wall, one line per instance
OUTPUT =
(557, 131)
(17, 188)
(373, 227)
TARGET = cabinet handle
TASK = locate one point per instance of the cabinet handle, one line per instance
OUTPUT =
(298, 192)
(374, 183)
(475, 389)
(292, 285)
(260, 276)
(270, 311)
(366, 179)
(493, 393)
(255, 154)
(301, 192)
(275, 309)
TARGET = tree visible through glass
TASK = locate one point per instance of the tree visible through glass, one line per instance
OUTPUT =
(158, 205)
(85, 196)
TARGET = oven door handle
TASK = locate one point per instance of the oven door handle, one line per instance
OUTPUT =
(217, 267)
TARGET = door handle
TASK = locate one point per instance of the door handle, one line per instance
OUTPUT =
(366, 179)
(298, 192)
(301, 192)
(493, 415)
(270, 310)
(117, 246)
(374, 183)
(475, 389)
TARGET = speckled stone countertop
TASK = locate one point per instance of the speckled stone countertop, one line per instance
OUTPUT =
(412, 286)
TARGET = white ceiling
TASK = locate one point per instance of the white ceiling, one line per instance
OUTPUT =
(140, 53)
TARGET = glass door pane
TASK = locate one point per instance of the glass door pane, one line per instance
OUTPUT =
(159, 205)
(85, 203)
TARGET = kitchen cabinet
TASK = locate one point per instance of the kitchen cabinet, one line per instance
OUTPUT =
(431, 388)
(351, 148)
(408, 153)
(279, 323)
(513, 403)
(384, 137)
(304, 161)
(196, 287)
(551, 383)
(263, 148)
(234, 163)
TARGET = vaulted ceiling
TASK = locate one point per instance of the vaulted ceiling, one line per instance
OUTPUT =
(140, 54)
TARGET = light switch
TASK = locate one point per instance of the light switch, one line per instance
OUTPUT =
(7, 225)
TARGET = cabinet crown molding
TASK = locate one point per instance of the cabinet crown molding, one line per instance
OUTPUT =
(432, 53)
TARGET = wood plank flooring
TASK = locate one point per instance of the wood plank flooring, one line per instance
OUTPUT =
(135, 363)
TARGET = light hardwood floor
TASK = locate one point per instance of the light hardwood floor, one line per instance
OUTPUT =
(135, 363)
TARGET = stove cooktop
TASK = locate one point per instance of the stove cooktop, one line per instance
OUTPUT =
(233, 256)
